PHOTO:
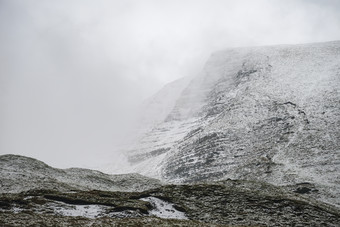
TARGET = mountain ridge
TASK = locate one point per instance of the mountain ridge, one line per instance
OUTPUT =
(34, 174)
(263, 113)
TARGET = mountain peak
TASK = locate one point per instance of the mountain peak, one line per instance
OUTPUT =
(259, 113)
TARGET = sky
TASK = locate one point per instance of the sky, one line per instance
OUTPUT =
(73, 72)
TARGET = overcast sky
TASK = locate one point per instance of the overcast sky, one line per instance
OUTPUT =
(71, 71)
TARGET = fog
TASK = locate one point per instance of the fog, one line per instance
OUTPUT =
(73, 72)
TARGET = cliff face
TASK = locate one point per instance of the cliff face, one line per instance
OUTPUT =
(264, 113)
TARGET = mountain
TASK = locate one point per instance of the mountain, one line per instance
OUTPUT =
(19, 174)
(253, 140)
(267, 113)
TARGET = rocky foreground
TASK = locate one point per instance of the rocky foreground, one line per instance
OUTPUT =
(223, 203)
(227, 203)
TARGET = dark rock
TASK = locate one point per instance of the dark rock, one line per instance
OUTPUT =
(303, 190)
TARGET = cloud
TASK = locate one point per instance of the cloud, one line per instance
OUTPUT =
(72, 70)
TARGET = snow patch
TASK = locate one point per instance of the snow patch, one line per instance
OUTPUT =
(15, 210)
(87, 211)
(163, 209)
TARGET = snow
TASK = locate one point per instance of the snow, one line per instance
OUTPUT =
(163, 209)
(14, 209)
(17, 209)
(87, 211)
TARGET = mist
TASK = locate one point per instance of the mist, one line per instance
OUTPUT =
(74, 72)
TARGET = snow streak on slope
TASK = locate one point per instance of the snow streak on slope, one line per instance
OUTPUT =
(266, 113)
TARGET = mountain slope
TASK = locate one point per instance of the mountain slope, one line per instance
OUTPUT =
(264, 113)
(19, 173)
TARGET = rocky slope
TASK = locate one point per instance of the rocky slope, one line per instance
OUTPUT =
(19, 173)
(259, 113)
(226, 203)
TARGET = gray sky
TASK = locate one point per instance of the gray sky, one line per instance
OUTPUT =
(71, 71)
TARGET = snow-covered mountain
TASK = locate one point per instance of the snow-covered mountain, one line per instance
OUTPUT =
(261, 113)
(254, 115)
(19, 173)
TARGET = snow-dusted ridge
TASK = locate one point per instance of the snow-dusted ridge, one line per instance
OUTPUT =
(264, 113)
(19, 173)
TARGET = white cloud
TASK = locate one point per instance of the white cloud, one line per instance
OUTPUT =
(71, 69)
